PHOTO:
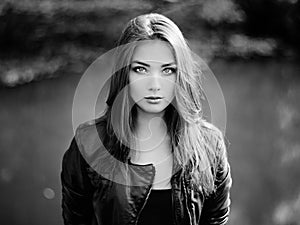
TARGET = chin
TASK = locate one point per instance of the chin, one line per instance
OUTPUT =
(153, 110)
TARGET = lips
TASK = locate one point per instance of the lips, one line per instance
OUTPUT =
(153, 97)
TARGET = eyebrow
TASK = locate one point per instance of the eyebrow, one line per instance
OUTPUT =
(145, 64)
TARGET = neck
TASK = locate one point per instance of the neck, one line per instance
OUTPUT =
(150, 125)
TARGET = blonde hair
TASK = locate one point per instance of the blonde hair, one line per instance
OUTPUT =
(194, 141)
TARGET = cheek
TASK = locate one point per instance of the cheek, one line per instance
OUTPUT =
(170, 86)
(132, 86)
(136, 90)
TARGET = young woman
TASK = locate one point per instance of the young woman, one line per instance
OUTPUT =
(151, 158)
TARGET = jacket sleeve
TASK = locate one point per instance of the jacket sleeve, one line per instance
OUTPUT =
(216, 207)
(77, 190)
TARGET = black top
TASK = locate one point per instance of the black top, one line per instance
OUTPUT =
(158, 208)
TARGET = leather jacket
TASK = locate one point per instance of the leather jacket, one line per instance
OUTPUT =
(97, 189)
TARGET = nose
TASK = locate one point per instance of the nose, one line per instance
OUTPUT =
(154, 82)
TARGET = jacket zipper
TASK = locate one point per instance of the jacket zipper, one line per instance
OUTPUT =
(148, 194)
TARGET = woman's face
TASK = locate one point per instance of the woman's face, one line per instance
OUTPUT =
(152, 76)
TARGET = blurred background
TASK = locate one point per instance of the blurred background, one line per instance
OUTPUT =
(252, 46)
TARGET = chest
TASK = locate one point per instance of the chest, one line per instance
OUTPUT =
(160, 155)
(115, 204)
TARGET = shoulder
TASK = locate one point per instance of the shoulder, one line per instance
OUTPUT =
(90, 135)
(79, 157)
(213, 134)
(222, 173)
(89, 127)
(216, 140)
(90, 131)
(87, 155)
(87, 135)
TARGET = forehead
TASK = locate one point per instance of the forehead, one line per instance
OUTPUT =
(155, 51)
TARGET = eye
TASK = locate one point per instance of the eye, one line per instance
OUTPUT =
(169, 71)
(139, 69)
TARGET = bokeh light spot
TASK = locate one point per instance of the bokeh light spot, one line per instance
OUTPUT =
(48, 193)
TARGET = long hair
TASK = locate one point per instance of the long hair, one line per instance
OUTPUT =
(193, 139)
